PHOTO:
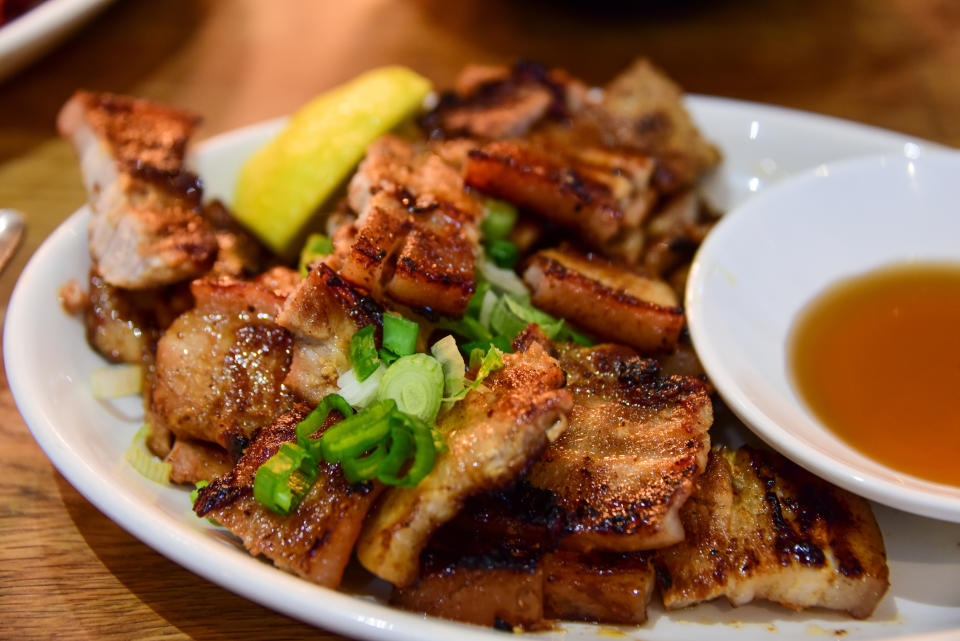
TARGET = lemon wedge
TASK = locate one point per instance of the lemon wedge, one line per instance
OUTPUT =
(286, 181)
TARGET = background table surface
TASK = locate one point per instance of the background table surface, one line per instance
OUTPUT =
(68, 571)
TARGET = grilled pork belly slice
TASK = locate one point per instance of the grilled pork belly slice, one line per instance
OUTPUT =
(146, 229)
(635, 444)
(316, 540)
(492, 436)
(323, 313)
(605, 298)
(642, 110)
(597, 586)
(760, 527)
(415, 238)
(501, 102)
(192, 461)
(220, 366)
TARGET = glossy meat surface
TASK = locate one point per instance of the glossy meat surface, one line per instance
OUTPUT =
(323, 313)
(415, 239)
(492, 436)
(605, 298)
(635, 444)
(220, 366)
(146, 229)
(760, 527)
(316, 540)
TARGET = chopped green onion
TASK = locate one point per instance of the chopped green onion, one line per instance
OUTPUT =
(144, 462)
(451, 362)
(115, 381)
(476, 301)
(505, 320)
(355, 435)
(492, 361)
(388, 357)
(364, 468)
(317, 246)
(505, 280)
(489, 300)
(415, 382)
(501, 342)
(399, 334)
(363, 353)
(315, 420)
(407, 429)
(503, 253)
(401, 442)
(360, 394)
(195, 492)
(285, 478)
(498, 220)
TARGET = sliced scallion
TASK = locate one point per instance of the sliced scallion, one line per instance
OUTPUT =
(363, 353)
(498, 220)
(503, 253)
(317, 246)
(504, 280)
(315, 420)
(399, 334)
(144, 462)
(491, 362)
(415, 382)
(360, 393)
(357, 434)
(285, 478)
(451, 362)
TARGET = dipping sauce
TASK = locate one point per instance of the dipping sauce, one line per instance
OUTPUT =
(877, 360)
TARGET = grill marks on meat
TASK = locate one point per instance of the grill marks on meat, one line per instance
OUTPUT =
(605, 298)
(316, 540)
(635, 444)
(146, 229)
(323, 313)
(220, 366)
(501, 102)
(597, 586)
(492, 435)
(759, 526)
(415, 238)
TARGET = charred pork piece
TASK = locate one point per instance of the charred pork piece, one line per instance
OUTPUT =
(759, 527)
(220, 366)
(482, 567)
(146, 229)
(673, 235)
(548, 186)
(124, 324)
(492, 436)
(642, 110)
(323, 313)
(192, 461)
(501, 102)
(415, 239)
(604, 587)
(605, 298)
(316, 540)
(635, 444)
(239, 254)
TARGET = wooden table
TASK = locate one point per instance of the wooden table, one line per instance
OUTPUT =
(65, 569)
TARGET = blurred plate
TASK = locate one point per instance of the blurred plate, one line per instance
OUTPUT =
(38, 30)
(47, 358)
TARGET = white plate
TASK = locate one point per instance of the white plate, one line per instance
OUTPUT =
(48, 366)
(33, 33)
(771, 256)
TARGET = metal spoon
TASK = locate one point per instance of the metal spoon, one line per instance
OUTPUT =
(11, 231)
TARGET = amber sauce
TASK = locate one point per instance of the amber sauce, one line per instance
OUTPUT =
(877, 359)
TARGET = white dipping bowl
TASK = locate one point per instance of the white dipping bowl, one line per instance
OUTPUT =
(767, 259)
